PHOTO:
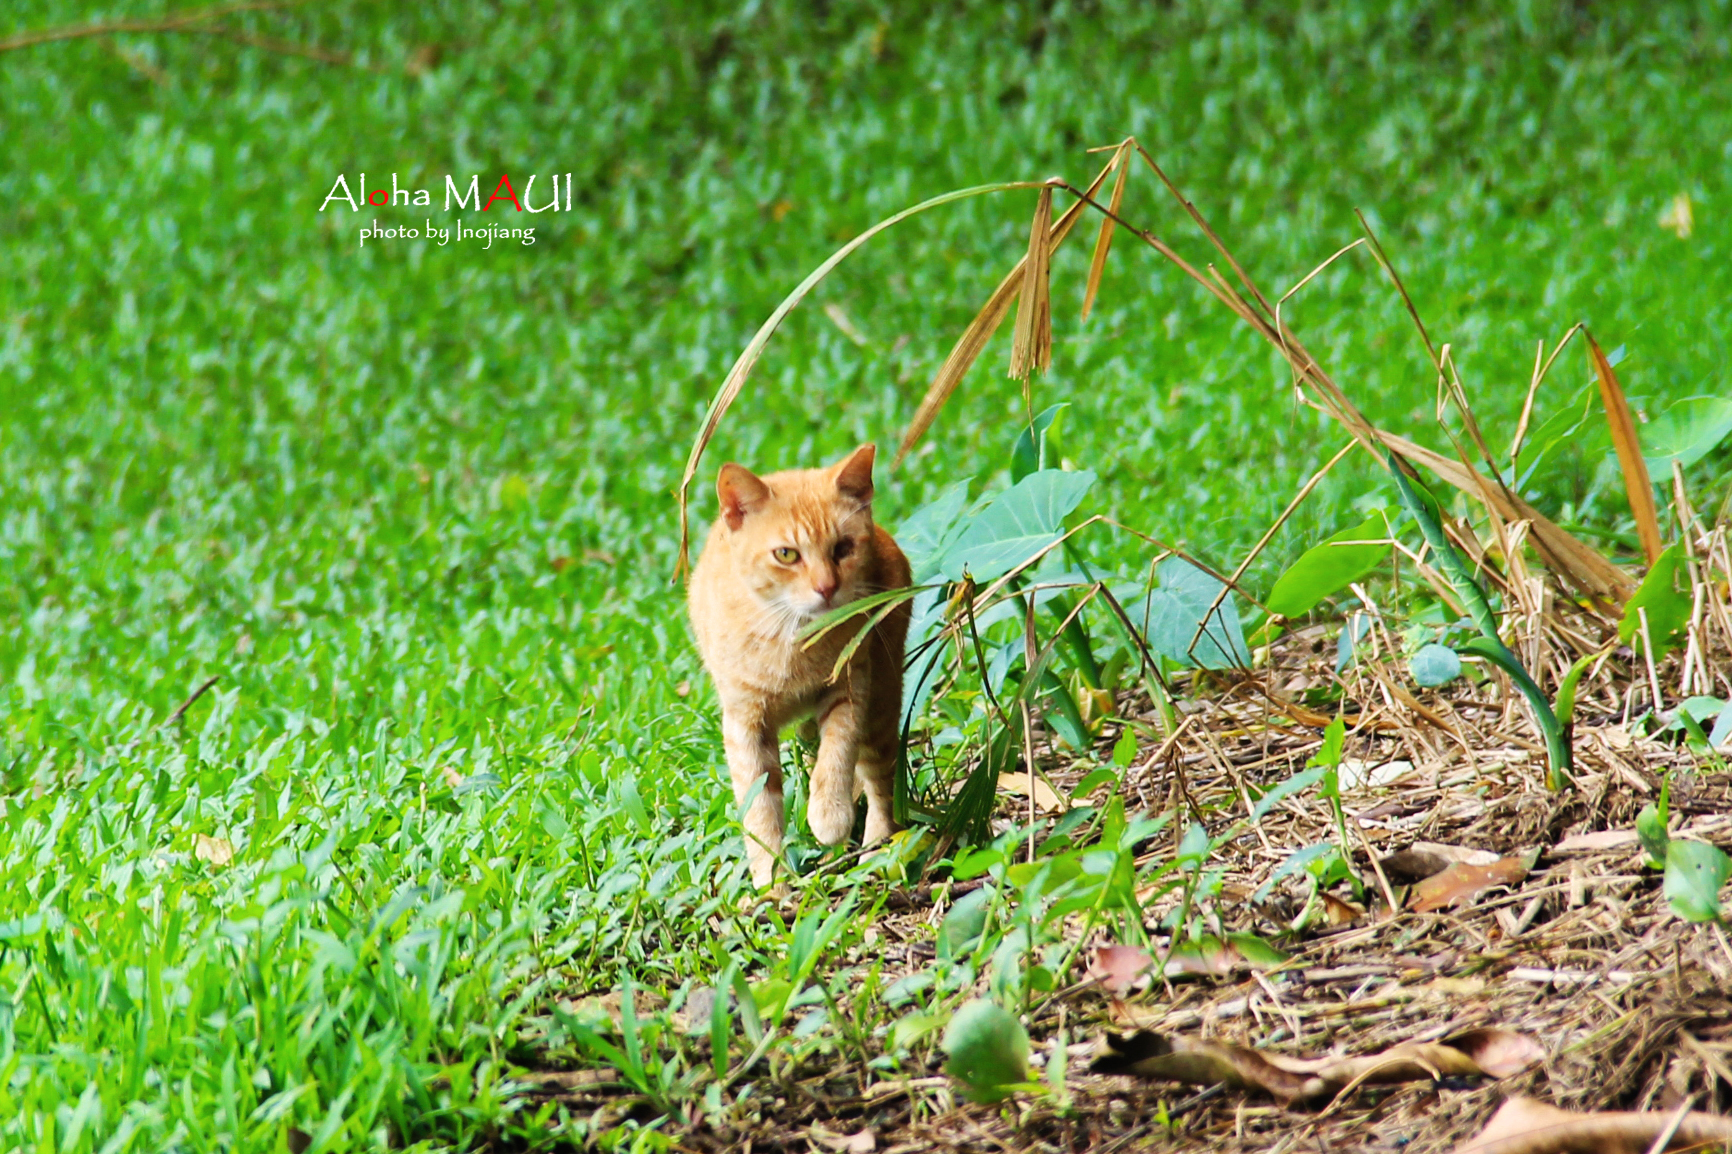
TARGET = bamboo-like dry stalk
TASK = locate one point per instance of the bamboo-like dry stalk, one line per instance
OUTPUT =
(1104, 241)
(1622, 426)
(1031, 340)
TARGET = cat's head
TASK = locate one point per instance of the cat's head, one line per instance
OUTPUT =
(800, 539)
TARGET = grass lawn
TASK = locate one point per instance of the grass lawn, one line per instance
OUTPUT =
(410, 505)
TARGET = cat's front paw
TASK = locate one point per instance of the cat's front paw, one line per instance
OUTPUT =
(830, 820)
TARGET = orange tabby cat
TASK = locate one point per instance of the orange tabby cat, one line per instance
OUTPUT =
(787, 549)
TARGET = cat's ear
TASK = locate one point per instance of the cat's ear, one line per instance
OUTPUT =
(854, 473)
(739, 490)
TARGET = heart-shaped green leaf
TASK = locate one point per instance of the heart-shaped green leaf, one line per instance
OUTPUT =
(988, 1051)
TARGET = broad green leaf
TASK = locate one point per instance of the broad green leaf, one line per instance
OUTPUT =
(912, 1028)
(1569, 427)
(988, 1051)
(1686, 432)
(1037, 447)
(1298, 860)
(964, 922)
(1257, 952)
(1353, 631)
(1668, 610)
(1566, 705)
(1174, 609)
(1193, 848)
(1695, 871)
(1722, 728)
(1014, 525)
(1434, 665)
(1334, 743)
(926, 532)
(1651, 828)
(1329, 567)
(1125, 749)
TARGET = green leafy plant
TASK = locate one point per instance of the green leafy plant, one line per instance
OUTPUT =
(1695, 874)
(1329, 567)
(1488, 644)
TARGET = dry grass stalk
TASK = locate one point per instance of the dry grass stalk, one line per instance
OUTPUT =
(1097, 265)
(1298, 499)
(1623, 429)
(1585, 568)
(742, 368)
(1031, 340)
(973, 339)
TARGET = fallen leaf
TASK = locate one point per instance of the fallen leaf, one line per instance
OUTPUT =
(218, 851)
(1044, 798)
(1356, 774)
(865, 1142)
(1527, 1126)
(1679, 216)
(1599, 840)
(1289, 1080)
(1461, 882)
(1424, 858)
(450, 776)
(1500, 1053)
(1337, 912)
(1120, 968)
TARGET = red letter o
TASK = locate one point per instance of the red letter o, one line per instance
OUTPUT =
(378, 203)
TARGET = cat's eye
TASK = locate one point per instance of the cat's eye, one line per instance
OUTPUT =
(844, 548)
(785, 555)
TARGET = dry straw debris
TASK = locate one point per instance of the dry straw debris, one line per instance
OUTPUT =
(1505, 941)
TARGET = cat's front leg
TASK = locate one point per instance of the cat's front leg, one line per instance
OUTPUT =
(750, 742)
(830, 807)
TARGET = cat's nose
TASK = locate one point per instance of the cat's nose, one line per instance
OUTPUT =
(825, 586)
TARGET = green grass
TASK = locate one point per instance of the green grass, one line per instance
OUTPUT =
(412, 505)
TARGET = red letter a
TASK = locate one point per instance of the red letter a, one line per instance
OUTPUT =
(509, 194)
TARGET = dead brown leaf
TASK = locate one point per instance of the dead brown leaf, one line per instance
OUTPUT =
(1337, 912)
(1527, 1126)
(1020, 784)
(1425, 858)
(865, 1142)
(1637, 484)
(1120, 969)
(1462, 882)
(1202, 1063)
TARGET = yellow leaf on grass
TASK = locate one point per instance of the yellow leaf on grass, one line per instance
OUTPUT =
(1679, 216)
(1045, 799)
(218, 851)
